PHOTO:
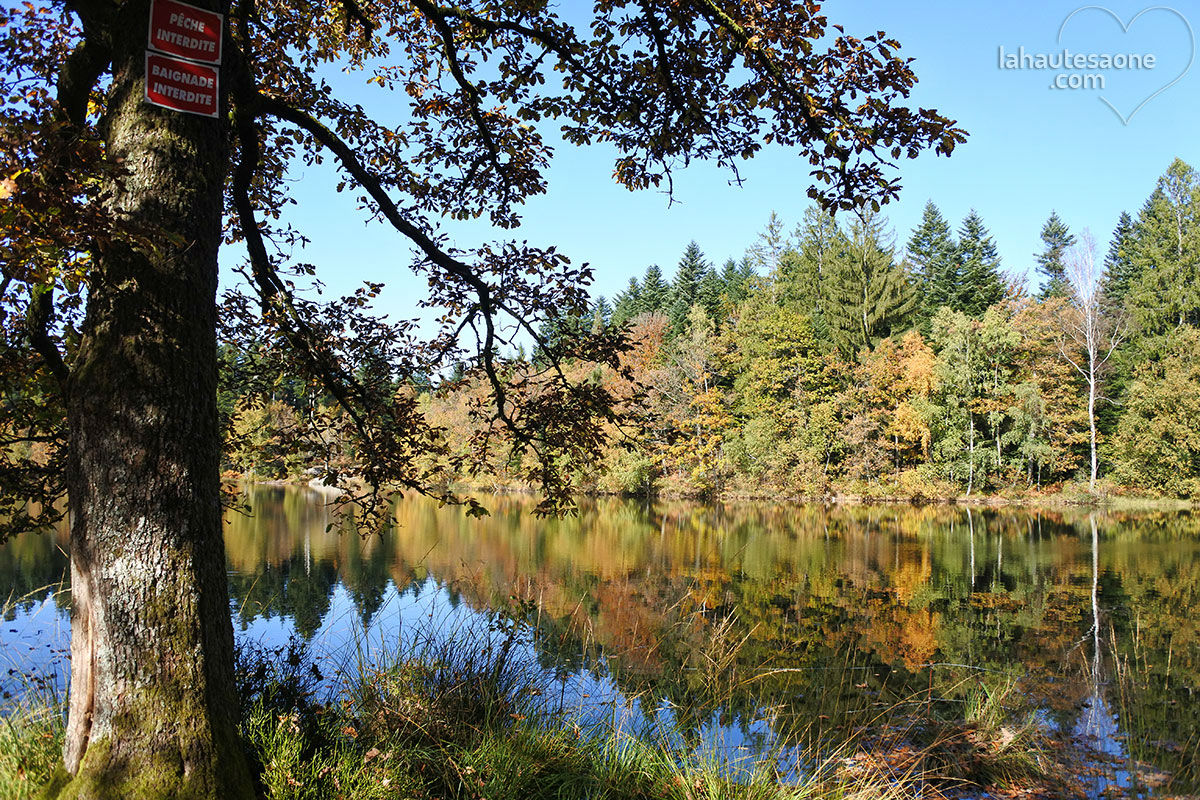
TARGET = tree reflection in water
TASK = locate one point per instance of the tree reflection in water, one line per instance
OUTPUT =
(752, 622)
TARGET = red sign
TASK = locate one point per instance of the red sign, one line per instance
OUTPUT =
(181, 85)
(179, 29)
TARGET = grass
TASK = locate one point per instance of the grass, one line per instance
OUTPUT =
(468, 718)
(31, 734)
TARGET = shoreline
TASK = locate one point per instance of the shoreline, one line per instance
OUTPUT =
(1059, 500)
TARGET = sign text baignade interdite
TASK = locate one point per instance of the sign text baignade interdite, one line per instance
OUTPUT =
(183, 56)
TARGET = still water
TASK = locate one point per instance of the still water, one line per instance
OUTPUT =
(738, 626)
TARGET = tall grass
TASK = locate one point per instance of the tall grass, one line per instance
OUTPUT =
(31, 736)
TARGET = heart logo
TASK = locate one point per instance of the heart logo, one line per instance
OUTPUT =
(1125, 26)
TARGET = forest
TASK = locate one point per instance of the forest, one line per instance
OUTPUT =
(832, 360)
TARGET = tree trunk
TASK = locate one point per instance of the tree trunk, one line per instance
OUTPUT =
(153, 709)
(971, 454)
(1092, 422)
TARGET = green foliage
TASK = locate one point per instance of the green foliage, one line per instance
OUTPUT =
(712, 295)
(805, 380)
(1157, 441)
(963, 375)
(782, 393)
(802, 275)
(1050, 263)
(767, 251)
(738, 279)
(685, 289)
(933, 256)
(1120, 271)
(1165, 253)
(655, 294)
(628, 303)
(980, 285)
(602, 312)
(869, 295)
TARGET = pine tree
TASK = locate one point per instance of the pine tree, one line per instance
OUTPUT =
(710, 294)
(767, 252)
(932, 253)
(803, 271)
(686, 287)
(1165, 252)
(1050, 261)
(736, 279)
(1120, 276)
(869, 295)
(655, 291)
(1119, 269)
(981, 285)
(557, 334)
(628, 303)
(601, 314)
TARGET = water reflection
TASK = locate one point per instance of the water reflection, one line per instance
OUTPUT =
(744, 623)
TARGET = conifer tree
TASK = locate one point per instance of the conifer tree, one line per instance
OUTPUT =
(736, 278)
(932, 253)
(601, 314)
(803, 271)
(772, 243)
(656, 294)
(869, 295)
(628, 303)
(979, 266)
(1120, 275)
(730, 279)
(1058, 239)
(1166, 257)
(686, 287)
(1119, 269)
(710, 294)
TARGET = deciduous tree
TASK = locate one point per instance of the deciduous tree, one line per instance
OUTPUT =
(1086, 331)
(120, 206)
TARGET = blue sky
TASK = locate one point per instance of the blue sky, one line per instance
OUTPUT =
(1032, 149)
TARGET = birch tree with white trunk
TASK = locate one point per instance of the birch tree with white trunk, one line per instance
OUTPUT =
(1088, 338)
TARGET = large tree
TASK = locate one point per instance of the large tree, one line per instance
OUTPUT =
(1057, 240)
(656, 292)
(119, 207)
(685, 288)
(869, 294)
(980, 283)
(1165, 254)
(1119, 269)
(1088, 339)
(932, 252)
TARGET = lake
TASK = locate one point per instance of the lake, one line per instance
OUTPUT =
(737, 627)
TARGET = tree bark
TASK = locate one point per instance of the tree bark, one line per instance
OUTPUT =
(153, 708)
(1092, 420)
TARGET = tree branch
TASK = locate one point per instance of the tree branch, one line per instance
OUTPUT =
(38, 317)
